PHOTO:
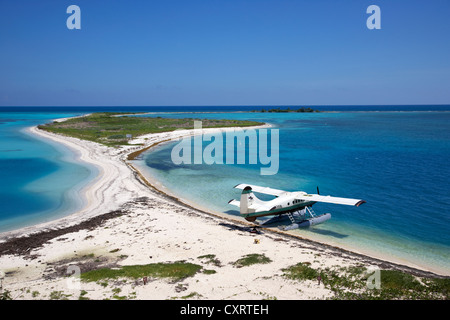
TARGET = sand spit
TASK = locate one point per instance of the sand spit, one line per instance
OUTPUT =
(127, 220)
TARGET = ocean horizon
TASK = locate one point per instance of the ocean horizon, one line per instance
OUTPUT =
(394, 157)
(224, 108)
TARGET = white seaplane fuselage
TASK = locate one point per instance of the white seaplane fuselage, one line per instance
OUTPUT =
(285, 202)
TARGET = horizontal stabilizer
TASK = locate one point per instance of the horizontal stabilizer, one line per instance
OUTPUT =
(330, 199)
(234, 203)
(265, 190)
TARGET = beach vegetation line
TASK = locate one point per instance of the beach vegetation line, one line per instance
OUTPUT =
(351, 283)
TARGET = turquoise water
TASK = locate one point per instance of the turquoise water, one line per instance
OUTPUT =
(39, 179)
(396, 161)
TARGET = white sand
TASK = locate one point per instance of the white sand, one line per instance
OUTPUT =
(158, 229)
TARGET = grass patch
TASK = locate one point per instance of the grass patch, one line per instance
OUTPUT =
(250, 259)
(83, 293)
(59, 295)
(175, 271)
(109, 129)
(301, 271)
(352, 283)
(397, 280)
(191, 296)
(211, 259)
(207, 271)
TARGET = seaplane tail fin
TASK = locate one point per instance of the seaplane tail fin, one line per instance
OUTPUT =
(249, 202)
(246, 199)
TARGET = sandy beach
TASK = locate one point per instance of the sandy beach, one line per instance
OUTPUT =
(128, 220)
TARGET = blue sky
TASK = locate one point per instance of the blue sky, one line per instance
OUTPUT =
(224, 52)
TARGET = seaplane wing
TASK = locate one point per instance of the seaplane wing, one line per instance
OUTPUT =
(265, 190)
(329, 199)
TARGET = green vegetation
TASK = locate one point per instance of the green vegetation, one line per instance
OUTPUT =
(352, 283)
(176, 271)
(207, 271)
(112, 129)
(116, 296)
(5, 295)
(210, 258)
(251, 259)
(191, 296)
(301, 271)
(59, 295)
(82, 295)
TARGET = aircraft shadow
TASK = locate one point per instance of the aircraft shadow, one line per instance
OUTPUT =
(282, 221)
(232, 212)
(328, 233)
(233, 227)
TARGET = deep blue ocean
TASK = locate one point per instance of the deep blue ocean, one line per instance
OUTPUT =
(394, 157)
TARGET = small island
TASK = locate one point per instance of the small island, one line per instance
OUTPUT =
(116, 129)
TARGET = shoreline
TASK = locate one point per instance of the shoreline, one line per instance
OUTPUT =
(157, 186)
(95, 192)
(365, 253)
(121, 203)
(91, 191)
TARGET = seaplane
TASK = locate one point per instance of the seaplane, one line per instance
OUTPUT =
(296, 205)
